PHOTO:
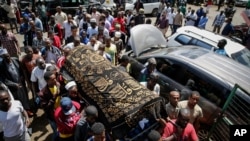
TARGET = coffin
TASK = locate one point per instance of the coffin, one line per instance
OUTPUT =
(120, 99)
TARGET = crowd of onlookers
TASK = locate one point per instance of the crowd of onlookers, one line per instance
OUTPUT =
(49, 40)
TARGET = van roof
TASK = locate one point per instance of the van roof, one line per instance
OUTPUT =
(231, 46)
(221, 66)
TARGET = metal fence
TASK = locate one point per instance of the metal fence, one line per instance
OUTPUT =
(236, 111)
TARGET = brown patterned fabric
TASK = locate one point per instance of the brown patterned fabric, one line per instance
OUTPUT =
(117, 95)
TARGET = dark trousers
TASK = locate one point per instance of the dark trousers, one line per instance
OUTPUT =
(13, 22)
(175, 28)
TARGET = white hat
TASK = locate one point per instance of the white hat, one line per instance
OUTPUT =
(70, 84)
(93, 20)
(3, 51)
(118, 34)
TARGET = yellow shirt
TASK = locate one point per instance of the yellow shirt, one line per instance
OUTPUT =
(54, 91)
(112, 52)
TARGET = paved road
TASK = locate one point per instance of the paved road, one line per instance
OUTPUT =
(40, 127)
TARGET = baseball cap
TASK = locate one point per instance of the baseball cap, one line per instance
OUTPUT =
(67, 106)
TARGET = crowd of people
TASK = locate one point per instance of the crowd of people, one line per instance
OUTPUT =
(68, 113)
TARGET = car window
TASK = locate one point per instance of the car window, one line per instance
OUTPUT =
(208, 88)
(183, 39)
(201, 44)
(242, 56)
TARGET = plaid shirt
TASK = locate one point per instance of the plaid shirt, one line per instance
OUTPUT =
(9, 41)
(219, 20)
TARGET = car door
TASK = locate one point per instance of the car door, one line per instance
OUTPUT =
(150, 5)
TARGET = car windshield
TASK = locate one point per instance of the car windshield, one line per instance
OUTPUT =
(242, 57)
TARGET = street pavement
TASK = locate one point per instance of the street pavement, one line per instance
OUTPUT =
(40, 128)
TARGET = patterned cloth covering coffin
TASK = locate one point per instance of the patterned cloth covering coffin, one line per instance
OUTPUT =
(119, 98)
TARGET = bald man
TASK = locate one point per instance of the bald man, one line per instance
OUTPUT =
(180, 129)
(172, 106)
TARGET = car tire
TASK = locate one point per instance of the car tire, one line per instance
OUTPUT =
(238, 34)
(154, 12)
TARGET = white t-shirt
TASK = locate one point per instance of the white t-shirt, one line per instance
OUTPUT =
(11, 10)
(13, 123)
(192, 19)
(37, 74)
(60, 18)
(71, 45)
(67, 28)
(156, 88)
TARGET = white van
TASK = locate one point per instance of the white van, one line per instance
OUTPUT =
(190, 35)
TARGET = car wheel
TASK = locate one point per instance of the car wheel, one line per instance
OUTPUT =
(238, 34)
(155, 12)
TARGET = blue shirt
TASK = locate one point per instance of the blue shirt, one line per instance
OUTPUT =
(203, 22)
(221, 52)
(228, 29)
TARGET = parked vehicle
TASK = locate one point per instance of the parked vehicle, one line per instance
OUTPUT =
(242, 3)
(150, 6)
(190, 35)
(214, 75)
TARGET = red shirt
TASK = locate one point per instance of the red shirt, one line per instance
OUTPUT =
(120, 21)
(56, 42)
(66, 124)
(188, 134)
(60, 62)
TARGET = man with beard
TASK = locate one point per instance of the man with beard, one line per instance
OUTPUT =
(180, 129)
(14, 118)
(9, 41)
(12, 75)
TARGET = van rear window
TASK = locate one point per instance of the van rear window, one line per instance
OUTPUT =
(242, 56)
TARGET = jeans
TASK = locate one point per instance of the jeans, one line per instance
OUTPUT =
(54, 128)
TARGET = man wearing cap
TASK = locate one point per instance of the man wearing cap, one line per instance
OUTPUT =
(66, 117)
(150, 68)
(92, 29)
(118, 41)
(83, 127)
(74, 94)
